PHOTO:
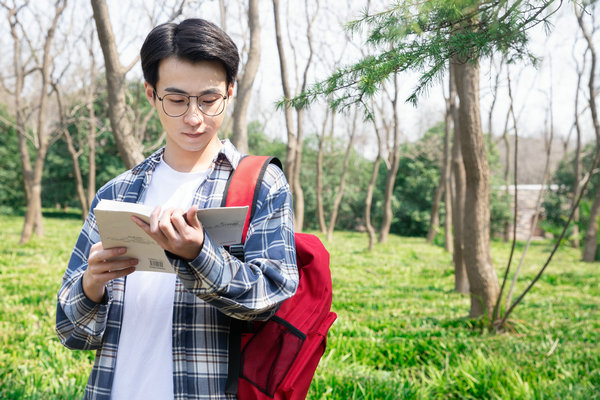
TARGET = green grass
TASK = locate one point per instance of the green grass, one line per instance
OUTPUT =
(401, 331)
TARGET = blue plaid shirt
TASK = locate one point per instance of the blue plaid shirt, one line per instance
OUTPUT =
(209, 290)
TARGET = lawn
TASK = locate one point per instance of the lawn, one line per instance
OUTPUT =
(401, 331)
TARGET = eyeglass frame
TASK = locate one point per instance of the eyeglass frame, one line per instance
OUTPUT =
(188, 104)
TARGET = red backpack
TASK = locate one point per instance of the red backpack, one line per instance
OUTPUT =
(277, 359)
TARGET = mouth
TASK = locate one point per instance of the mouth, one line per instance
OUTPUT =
(193, 134)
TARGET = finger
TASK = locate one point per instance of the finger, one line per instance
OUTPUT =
(192, 217)
(166, 223)
(119, 273)
(155, 218)
(141, 223)
(157, 235)
(96, 246)
(111, 266)
(101, 254)
(180, 221)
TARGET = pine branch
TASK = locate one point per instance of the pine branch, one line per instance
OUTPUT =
(423, 36)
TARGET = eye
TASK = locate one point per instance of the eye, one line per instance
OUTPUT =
(176, 99)
(210, 99)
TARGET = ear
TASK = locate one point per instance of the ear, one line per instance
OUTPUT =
(150, 94)
(230, 91)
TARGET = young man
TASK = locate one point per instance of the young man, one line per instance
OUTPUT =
(165, 336)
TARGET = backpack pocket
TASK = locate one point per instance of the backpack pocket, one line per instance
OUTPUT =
(269, 354)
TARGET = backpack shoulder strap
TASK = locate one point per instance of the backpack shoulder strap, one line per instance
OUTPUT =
(242, 189)
(244, 183)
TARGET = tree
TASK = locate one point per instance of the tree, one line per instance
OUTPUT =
(371, 187)
(25, 64)
(340, 190)
(127, 134)
(245, 81)
(577, 158)
(319, 166)
(591, 233)
(442, 187)
(393, 165)
(424, 36)
(461, 281)
(293, 159)
(538, 203)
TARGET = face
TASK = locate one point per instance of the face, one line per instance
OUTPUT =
(192, 137)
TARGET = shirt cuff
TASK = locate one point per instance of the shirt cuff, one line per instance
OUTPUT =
(89, 302)
(206, 270)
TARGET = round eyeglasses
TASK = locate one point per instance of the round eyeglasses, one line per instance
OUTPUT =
(175, 104)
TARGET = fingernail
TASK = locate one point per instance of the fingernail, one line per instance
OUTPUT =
(122, 250)
(133, 262)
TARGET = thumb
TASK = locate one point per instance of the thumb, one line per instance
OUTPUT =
(192, 217)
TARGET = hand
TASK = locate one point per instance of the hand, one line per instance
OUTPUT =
(179, 233)
(101, 270)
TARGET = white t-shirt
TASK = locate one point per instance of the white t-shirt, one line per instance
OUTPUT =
(144, 367)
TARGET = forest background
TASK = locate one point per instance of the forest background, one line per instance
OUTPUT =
(73, 115)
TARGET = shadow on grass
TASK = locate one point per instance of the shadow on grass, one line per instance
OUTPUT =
(46, 213)
(61, 214)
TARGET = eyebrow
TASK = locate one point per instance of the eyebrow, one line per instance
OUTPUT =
(205, 91)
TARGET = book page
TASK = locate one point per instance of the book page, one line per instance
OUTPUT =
(224, 225)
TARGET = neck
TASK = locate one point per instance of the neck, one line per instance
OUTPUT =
(192, 161)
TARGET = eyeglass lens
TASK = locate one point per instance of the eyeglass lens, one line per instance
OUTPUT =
(210, 104)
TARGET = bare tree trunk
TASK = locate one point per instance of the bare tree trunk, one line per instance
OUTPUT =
(21, 125)
(91, 141)
(538, 204)
(246, 81)
(492, 106)
(591, 234)
(577, 173)
(81, 193)
(130, 148)
(223, 13)
(83, 201)
(298, 192)
(369, 202)
(461, 281)
(292, 142)
(443, 182)
(32, 174)
(577, 158)
(483, 281)
(434, 220)
(293, 159)
(448, 236)
(319, 184)
(290, 158)
(390, 179)
(371, 188)
(340, 191)
(448, 175)
(506, 227)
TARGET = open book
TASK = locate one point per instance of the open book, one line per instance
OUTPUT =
(224, 225)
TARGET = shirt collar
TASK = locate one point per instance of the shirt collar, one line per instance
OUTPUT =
(227, 153)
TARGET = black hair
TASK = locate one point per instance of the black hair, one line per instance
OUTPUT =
(193, 40)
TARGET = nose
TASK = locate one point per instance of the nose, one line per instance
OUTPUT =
(193, 115)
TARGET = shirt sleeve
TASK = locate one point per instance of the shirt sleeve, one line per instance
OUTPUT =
(253, 289)
(80, 322)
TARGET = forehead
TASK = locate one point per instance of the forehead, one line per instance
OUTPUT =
(189, 76)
